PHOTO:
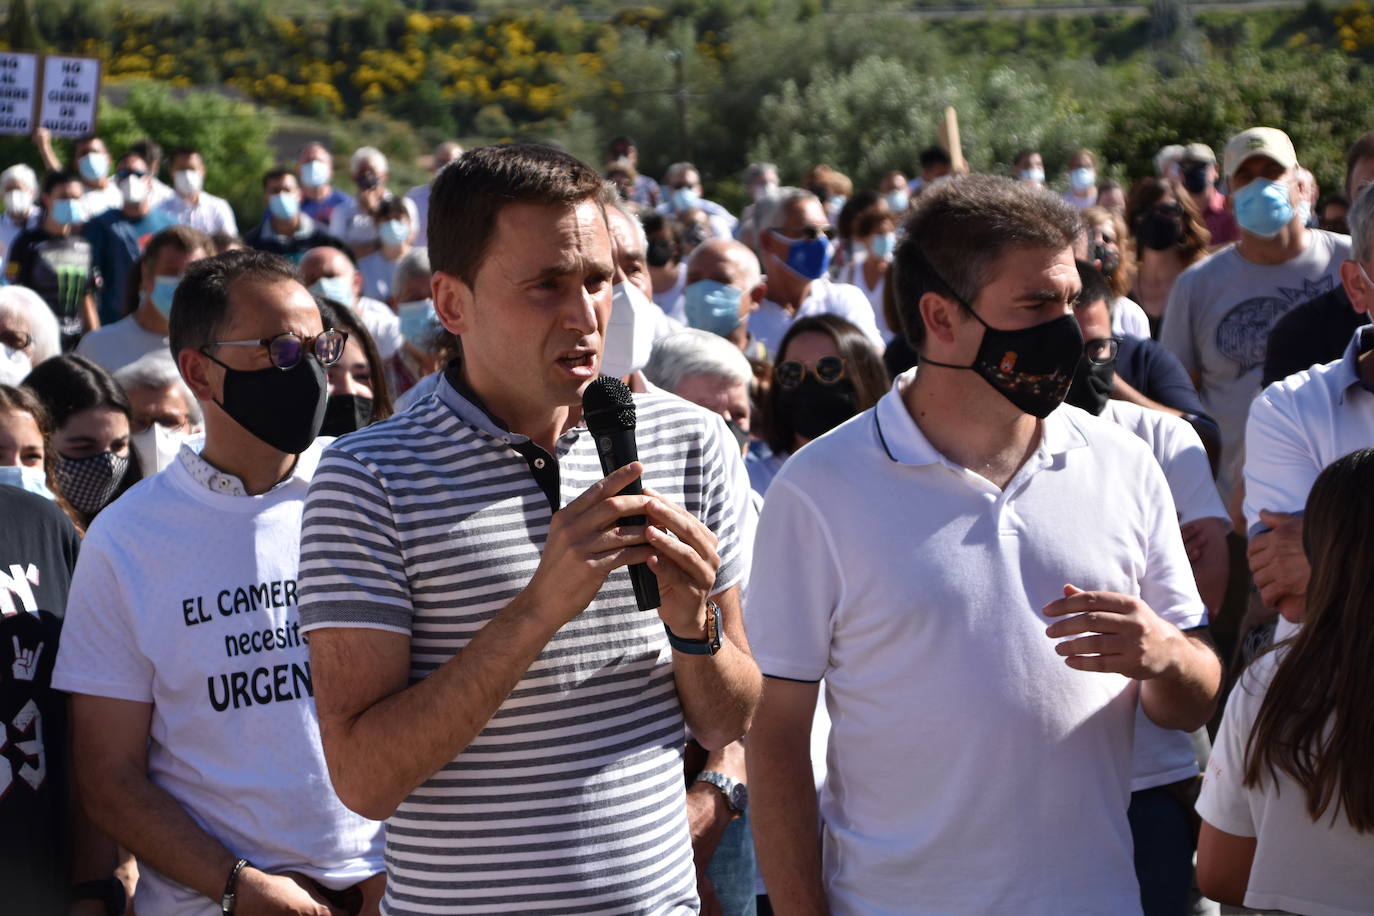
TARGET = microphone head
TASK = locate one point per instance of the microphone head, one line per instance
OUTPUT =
(607, 405)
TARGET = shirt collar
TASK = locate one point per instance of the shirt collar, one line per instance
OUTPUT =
(1361, 342)
(904, 442)
(212, 478)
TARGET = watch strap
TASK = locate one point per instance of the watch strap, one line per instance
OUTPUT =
(727, 786)
(708, 646)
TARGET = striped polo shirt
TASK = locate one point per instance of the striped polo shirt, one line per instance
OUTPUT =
(571, 799)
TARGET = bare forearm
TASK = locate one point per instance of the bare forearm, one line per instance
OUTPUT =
(90, 317)
(378, 757)
(1184, 698)
(785, 825)
(718, 693)
(154, 826)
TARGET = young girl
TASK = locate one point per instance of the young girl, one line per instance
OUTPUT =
(1288, 800)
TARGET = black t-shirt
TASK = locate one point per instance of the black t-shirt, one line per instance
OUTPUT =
(293, 248)
(1148, 367)
(58, 268)
(38, 548)
(1312, 334)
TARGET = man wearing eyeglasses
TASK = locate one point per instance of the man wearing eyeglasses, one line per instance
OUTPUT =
(988, 586)
(795, 248)
(197, 742)
(119, 235)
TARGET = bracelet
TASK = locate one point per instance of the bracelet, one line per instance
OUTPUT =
(708, 646)
(226, 903)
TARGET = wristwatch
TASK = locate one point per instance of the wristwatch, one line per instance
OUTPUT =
(231, 890)
(708, 646)
(736, 793)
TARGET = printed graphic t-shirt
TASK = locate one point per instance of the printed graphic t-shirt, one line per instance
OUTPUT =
(186, 598)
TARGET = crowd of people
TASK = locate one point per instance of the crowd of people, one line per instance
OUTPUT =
(316, 591)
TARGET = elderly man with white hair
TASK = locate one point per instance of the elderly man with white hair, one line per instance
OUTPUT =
(707, 370)
(164, 410)
(19, 185)
(28, 333)
(352, 220)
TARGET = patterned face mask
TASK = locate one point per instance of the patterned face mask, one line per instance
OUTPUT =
(90, 483)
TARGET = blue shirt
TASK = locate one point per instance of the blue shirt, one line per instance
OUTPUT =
(116, 242)
(320, 210)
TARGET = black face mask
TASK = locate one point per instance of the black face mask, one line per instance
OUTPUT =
(345, 413)
(814, 408)
(283, 408)
(1092, 385)
(1032, 367)
(1107, 258)
(1159, 231)
(1195, 179)
(659, 252)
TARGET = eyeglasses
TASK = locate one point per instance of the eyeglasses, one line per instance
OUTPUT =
(807, 233)
(16, 340)
(1101, 350)
(287, 348)
(828, 371)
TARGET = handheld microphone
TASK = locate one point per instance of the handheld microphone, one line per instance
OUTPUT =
(609, 412)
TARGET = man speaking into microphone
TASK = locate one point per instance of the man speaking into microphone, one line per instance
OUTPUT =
(486, 680)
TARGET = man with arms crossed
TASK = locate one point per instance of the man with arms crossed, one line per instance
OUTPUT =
(484, 677)
(928, 559)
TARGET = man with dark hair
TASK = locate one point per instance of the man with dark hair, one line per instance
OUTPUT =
(622, 152)
(54, 259)
(1318, 331)
(91, 162)
(1029, 166)
(197, 744)
(117, 236)
(151, 152)
(153, 284)
(191, 205)
(286, 229)
(935, 164)
(943, 541)
(484, 677)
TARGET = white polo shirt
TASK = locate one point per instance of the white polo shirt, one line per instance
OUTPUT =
(1164, 755)
(824, 297)
(969, 768)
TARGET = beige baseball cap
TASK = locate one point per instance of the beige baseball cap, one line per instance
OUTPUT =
(1199, 152)
(1259, 141)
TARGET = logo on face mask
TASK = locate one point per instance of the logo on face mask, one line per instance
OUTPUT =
(1008, 363)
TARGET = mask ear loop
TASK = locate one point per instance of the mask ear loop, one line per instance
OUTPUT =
(950, 293)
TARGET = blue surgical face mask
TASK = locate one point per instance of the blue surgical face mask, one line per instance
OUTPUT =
(808, 258)
(315, 173)
(684, 199)
(712, 306)
(337, 289)
(419, 324)
(883, 245)
(93, 166)
(164, 289)
(1263, 207)
(67, 212)
(394, 232)
(897, 200)
(1082, 178)
(284, 206)
(1035, 175)
(31, 480)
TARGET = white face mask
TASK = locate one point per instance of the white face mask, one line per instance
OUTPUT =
(188, 182)
(156, 447)
(18, 202)
(14, 365)
(629, 333)
(133, 190)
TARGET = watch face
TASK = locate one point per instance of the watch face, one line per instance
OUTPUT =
(739, 797)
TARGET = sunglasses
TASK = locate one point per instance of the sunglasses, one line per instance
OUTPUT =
(130, 173)
(790, 374)
(807, 233)
(286, 349)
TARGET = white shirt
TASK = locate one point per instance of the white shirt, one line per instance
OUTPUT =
(853, 273)
(671, 300)
(823, 297)
(199, 619)
(95, 201)
(354, 226)
(419, 197)
(969, 768)
(1162, 756)
(1320, 869)
(381, 322)
(209, 214)
(117, 345)
(1129, 319)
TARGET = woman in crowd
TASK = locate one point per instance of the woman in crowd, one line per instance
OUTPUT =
(1106, 246)
(1169, 235)
(26, 457)
(874, 234)
(28, 333)
(93, 463)
(394, 232)
(848, 249)
(1288, 800)
(358, 392)
(827, 371)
